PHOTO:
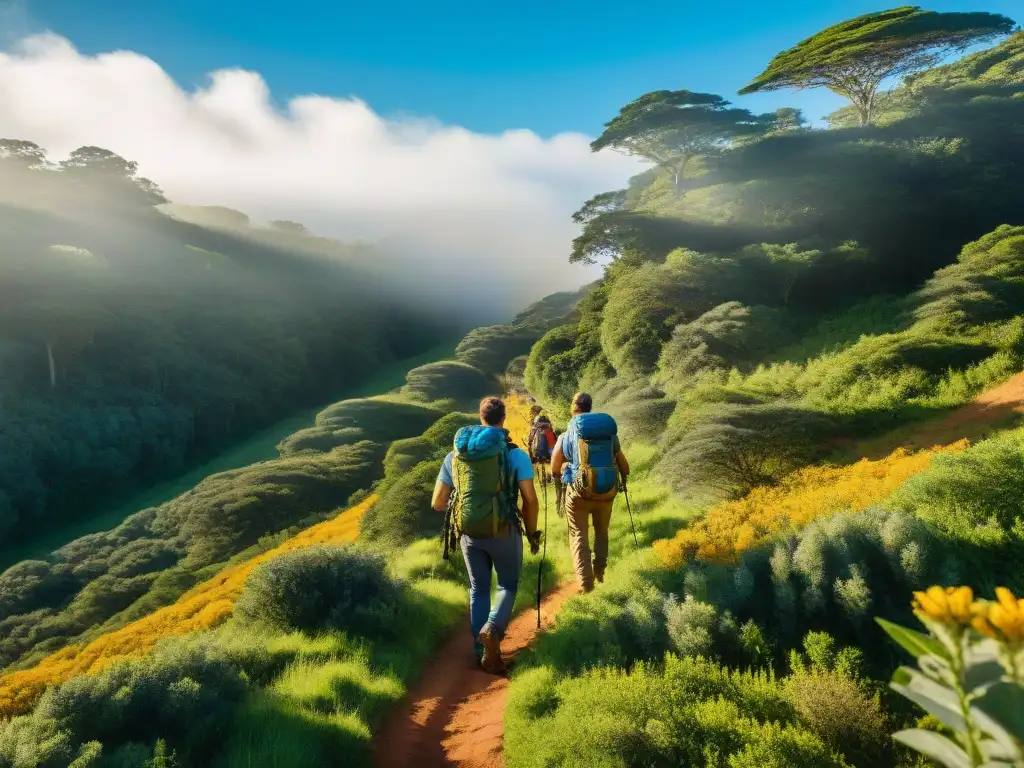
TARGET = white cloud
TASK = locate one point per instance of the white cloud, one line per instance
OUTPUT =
(472, 206)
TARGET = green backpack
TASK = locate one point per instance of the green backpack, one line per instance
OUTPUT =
(484, 495)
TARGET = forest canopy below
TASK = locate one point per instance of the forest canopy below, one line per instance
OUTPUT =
(135, 344)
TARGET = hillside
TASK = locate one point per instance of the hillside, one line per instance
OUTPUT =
(272, 688)
(135, 346)
(812, 341)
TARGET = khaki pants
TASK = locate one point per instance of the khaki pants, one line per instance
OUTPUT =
(579, 512)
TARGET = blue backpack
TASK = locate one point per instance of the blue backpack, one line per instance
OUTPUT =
(595, 475)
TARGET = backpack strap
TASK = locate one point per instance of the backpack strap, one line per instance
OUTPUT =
(511, 484)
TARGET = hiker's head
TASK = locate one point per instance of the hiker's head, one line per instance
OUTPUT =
(581, 403)
(492, 412)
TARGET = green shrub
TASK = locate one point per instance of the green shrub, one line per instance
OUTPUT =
(185, 692)
(689, 712)
(490, 348)
(832, 701)
(405, 454)
(442, 432)
(378, 419)
(986, 283)
(730, 335)
(553, 368)
(403, 513)
(444, 380)
(641, 414)
(974, 496)
(729, 449)
(643, 308)
(323, 587)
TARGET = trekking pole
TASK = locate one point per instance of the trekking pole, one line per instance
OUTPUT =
(625, 492)
(544, 553)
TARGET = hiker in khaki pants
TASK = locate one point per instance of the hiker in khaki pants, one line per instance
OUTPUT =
(602, 468)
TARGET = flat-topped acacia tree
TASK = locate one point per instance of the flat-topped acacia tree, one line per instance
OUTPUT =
(854, 58)
(669, 128)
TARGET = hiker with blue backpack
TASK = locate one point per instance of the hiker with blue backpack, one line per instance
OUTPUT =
(478, 486)
(590, 460)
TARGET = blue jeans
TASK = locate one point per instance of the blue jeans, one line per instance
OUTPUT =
(505, 555)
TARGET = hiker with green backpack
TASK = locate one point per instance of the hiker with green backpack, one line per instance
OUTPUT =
(590, 460)
(479, 484)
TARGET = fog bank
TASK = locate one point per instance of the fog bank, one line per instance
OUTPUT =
(453, 208)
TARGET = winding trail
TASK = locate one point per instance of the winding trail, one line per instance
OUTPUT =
(997, 408)
(454, 715)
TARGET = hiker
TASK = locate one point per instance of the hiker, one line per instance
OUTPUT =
(542, 444)
(590, 460)
(489, 526)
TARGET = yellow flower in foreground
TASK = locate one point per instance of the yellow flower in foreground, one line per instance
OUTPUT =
(952, 605)
(1007, 615)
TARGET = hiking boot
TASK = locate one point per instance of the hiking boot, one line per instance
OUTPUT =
(491, 661)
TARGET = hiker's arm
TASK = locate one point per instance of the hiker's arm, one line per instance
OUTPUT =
(530, 506)
(557, 461)
(622, 464)
(442, 492)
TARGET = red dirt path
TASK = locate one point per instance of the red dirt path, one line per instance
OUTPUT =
(994, 409)
(454, 714)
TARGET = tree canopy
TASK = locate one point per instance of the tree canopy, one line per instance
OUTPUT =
(854, 58)
(669, 128)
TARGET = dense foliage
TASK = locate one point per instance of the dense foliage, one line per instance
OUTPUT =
(322, 587)
(766, 318)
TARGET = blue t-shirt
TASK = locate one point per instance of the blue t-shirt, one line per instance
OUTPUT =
(569, 450)
(522, 469)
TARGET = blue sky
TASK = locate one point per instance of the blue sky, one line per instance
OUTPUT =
(561, 65)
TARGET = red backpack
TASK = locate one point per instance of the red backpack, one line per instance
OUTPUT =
(542, 441)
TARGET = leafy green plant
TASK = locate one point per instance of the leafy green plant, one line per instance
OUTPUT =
(970, 677)
(323, 587)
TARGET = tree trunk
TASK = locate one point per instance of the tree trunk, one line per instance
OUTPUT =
(789, 289)
(864, 111)
(53, 365)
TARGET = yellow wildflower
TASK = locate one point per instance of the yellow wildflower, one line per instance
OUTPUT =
(1007, 615)
(733, 527)
(952, 605)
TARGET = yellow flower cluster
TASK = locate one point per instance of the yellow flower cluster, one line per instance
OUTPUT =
(1002, 619)
(733, 527)
(202, 607)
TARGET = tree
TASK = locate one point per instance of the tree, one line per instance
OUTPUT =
(289, 226)
(102, 165)
(854, 58)
(787, 119)
(669, 128)
(23, 153)
(600, 220)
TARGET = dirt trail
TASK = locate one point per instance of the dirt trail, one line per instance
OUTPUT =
(454, 715)
(993, 409)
